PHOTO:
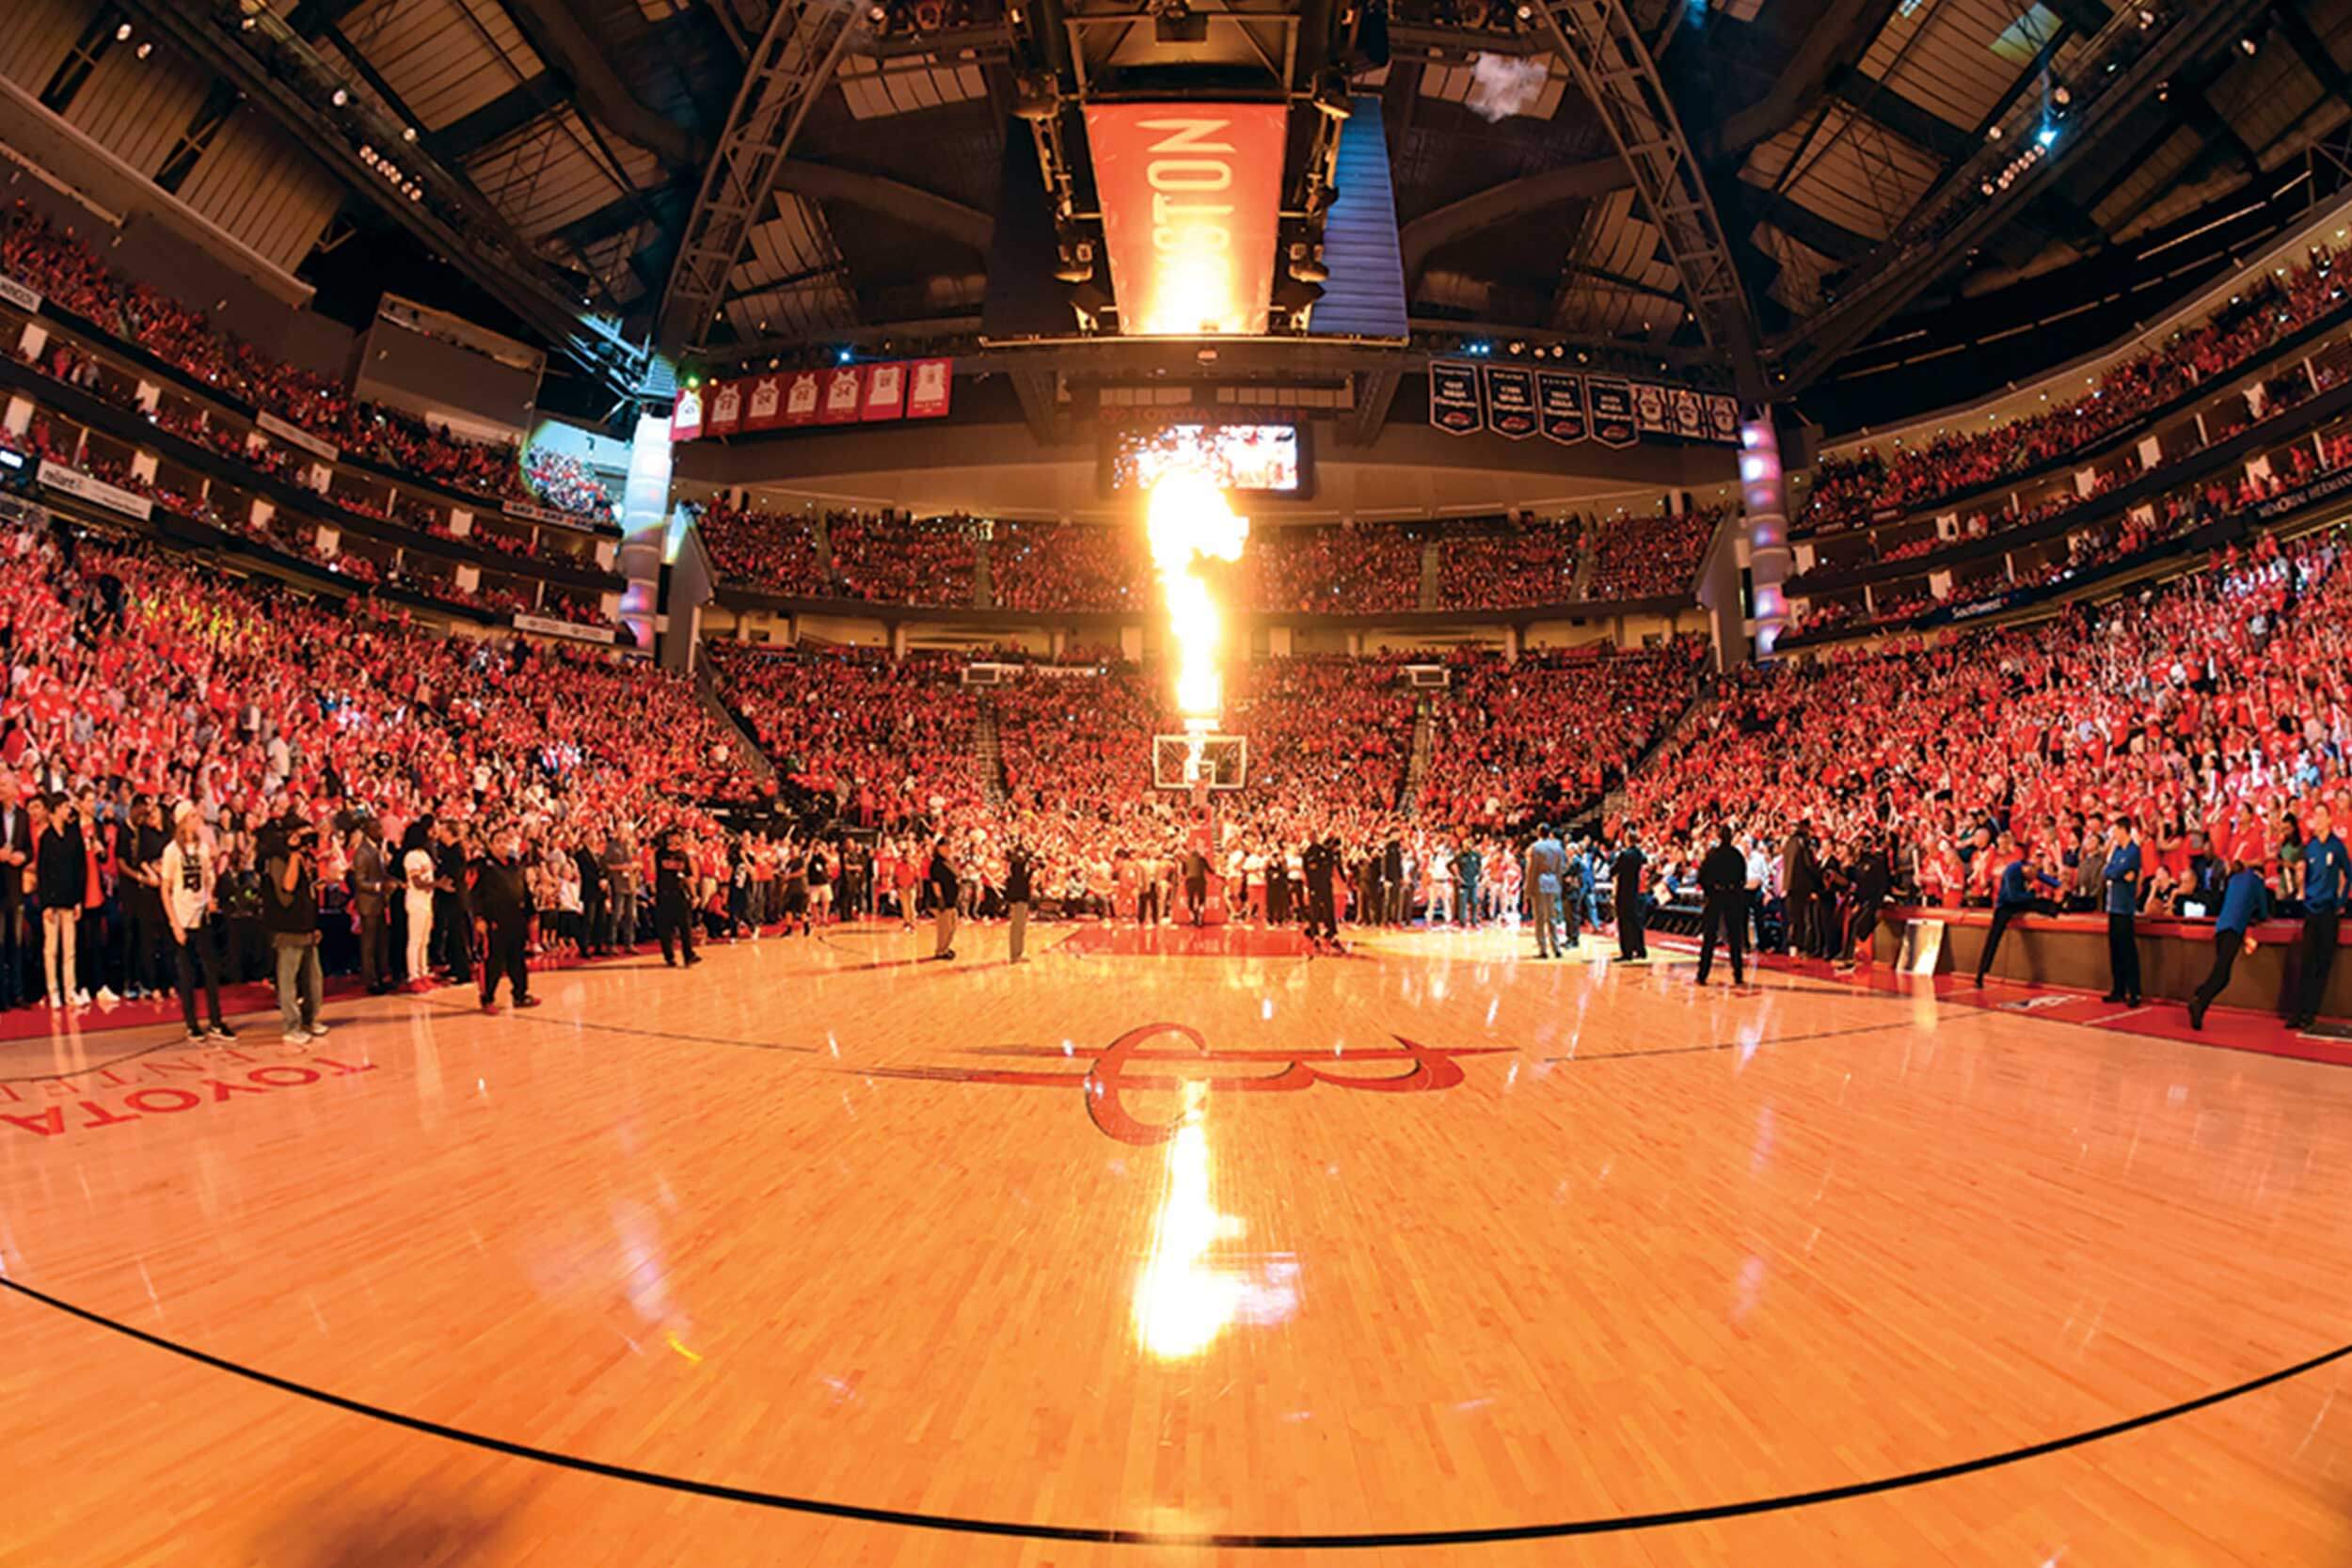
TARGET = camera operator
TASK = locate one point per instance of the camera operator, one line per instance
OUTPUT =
(289, 913)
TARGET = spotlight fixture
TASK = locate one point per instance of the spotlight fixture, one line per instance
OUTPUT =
(842, 357)
(340, 98)
(145, 49)
(1038, 100)
(1076, 262)
(2248, 45)
(1330, 95)
(122, 33)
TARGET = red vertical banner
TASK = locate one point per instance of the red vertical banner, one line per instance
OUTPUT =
(845, 394)
(885, 390)
(765, 411)
(932, 382)
(1191, 197)
(726, 408)
(801, 397)
(686, 415)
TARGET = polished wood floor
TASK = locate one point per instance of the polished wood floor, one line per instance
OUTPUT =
(1428, 1254)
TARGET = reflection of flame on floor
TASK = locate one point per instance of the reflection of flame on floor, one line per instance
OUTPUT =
(1183, 1301)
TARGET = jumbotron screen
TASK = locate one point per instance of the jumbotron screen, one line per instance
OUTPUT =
(1260, 459)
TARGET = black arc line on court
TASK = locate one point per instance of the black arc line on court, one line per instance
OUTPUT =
(1116, 1536)
(1725, 1045)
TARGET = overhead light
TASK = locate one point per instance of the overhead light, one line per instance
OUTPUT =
(122, 33)
(1038, 100)
(842, 357)
(2061, 95)
(340, 98)
(1992, 133)
(2246, 45)
(145, 49)
(1330, 96)
(409, 132)
(2049, 135)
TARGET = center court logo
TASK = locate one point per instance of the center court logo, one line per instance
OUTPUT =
(1132, 1064)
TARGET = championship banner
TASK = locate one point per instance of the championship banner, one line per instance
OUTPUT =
(294, 435)
(726, 409)
(1690, 419)
(25, 300)
(934, 382)
(1649, 408)
(885, 391)
(1611, 410)
(765, 409)
(801, 397)
(845, 394)
(1560, 399)
(686, 415)
(1454, 406)
(1191, 196)
(1510, 401)
(1723, 417)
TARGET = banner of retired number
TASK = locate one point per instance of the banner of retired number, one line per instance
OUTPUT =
(1516, 402)
(841, 394)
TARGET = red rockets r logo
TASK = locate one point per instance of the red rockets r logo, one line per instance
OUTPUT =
(1130, 1063)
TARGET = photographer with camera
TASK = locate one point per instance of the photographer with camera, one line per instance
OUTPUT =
(289, 913)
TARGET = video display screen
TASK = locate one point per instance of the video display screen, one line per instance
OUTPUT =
(1260, 459)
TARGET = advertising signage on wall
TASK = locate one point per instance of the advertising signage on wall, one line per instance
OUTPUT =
(875, 393)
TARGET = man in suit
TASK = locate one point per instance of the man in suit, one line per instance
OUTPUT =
(1320, 864)
(1801, 875)
(16, 853)
(1547, 861)
(1393, 882)
(596, 903)
(1196, 866)
(1723, 906)
(371, 888)
(1631, 901)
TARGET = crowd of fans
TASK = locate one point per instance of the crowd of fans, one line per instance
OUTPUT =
(143, 687)
(1543, 737)
(889, 560)
(2209, 712)
(762, 549)
(66, 269)
(1649, 558)
(888, 743)
(1511, 563)
(2171, 516)
(1051, 567)
(1852, 490)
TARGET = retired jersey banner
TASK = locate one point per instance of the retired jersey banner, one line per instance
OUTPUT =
(1612, 411)
(1560, 402)
(845, 394)
(1649, 408)
(801, 397)
(885, 391)
(686, 415)
(1191, 197)
(726, 409)
(1690, 419)
(1723, 417)
(1510, 401)
(933, 383)
(1454, 406)
(764, 410)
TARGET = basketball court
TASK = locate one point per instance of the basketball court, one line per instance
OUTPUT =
(1200, 1250)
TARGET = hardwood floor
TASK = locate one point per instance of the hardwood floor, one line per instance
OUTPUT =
(820, 1254)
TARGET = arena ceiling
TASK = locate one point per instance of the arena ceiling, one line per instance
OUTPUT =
(1842, 159)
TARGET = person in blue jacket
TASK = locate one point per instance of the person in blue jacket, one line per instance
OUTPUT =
(2122, 907)
(2326, 870)
(2012, 897)
(2245, 903)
